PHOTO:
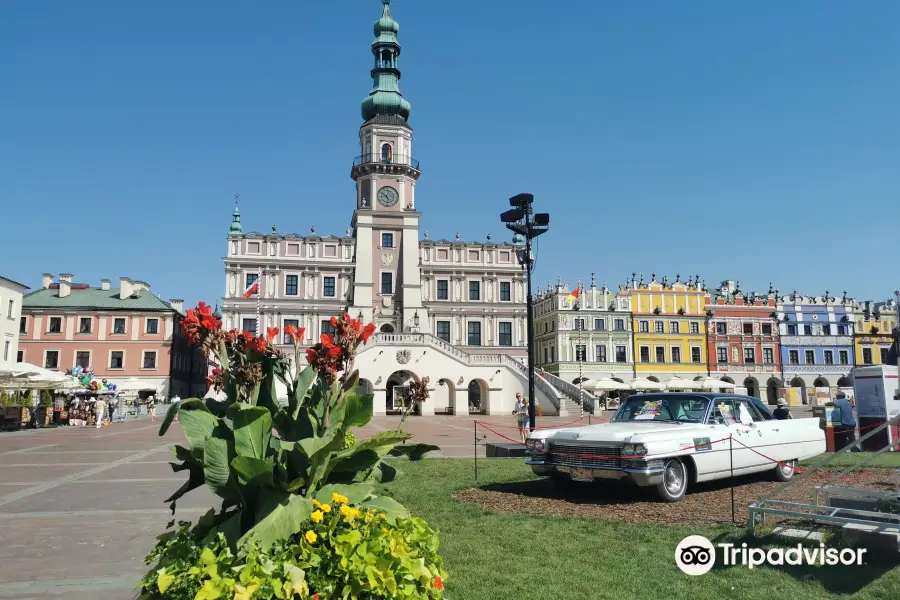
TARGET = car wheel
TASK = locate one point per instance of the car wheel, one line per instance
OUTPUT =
(785, 471)
(674, 481)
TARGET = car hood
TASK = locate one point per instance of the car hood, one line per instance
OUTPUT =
(624, 432)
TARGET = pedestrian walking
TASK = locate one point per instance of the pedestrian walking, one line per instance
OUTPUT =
(782, 412)
(175, 400)
(521, 412)
(151, 407)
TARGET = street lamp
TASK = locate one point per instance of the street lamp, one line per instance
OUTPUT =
(416, 319)
(522, 221)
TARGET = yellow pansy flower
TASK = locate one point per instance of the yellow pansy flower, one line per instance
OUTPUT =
(349, 513)
(339, 499)
(325, 508)
(311, 537)
(317, 516)
(316, 503)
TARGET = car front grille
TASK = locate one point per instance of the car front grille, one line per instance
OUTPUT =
(597, 457)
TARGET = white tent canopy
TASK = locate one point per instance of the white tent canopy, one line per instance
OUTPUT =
(712, 384)
(133, 384)
(28, 376)
(606, 384)
(677, 383)
(641, 384)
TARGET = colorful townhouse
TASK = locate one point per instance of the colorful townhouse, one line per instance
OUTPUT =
(743, 345)
(589, 337)
(120, 333)
(817, 338)
(873, 337)
(669, 324)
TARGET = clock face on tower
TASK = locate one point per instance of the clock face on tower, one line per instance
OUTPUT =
(388, 196)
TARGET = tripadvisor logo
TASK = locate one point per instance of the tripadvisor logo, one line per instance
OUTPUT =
(696, 555)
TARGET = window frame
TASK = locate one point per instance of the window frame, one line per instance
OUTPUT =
(291, 284)
(286, 339)
(56, 353)
(641, 350)
(675, 355)
(437, 331)
(474, 291)
(147, 322)
(90, 325)
(793, 357)
(656, 350)
(89, 358)
(749, 351)
(624, 353)
(806, 355)
(386, 284)
(59, 322)
(470, 333)
(124, 321)
(329, 282)
(506, 294)
(720, 350)
(501, 333)
(698, 359)
(446, 290)
(244, 321)
(122, 359)
(600, 353)
(144, 354)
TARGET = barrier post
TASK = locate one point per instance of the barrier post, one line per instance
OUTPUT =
(475, 446)
(731, 461)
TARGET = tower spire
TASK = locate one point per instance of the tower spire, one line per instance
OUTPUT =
(385, 98)
(236, 227)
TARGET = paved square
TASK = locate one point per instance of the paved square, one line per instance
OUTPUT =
(80, 507)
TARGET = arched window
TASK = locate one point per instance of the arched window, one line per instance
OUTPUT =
(387, 153)
(387, 328)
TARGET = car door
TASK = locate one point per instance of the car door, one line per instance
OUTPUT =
(725, 420)
(763, 436)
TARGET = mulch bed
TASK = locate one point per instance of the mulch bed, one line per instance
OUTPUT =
(704, 504)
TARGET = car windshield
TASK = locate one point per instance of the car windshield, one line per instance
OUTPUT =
(645, 407)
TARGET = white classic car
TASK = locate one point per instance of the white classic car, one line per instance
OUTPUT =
(670, 440)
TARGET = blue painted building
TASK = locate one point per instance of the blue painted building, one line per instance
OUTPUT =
(816, 340)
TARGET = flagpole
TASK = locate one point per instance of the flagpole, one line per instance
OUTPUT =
(583, 355)
(258, 295)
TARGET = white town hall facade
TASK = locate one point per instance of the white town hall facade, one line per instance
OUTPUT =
(450, 310)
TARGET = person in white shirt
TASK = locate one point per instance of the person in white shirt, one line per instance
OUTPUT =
(175, 400)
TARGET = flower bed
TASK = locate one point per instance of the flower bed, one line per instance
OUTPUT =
(299, 517)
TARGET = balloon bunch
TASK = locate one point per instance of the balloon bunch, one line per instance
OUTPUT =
(110, 387)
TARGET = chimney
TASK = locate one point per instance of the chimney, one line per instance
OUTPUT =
(126, 288)
(65, 284)
(104, 285)
(177, 304)
(46, 281)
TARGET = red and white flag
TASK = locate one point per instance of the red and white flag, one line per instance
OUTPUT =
(252, 289)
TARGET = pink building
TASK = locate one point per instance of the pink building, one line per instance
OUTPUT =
(121, 333)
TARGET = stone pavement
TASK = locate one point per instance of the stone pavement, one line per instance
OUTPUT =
(80, 507)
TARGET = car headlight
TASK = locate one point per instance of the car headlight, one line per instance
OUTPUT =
(634, 450)
(536, 446)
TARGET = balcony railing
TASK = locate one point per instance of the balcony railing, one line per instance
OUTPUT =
(378, 159)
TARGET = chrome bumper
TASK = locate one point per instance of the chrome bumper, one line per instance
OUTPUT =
(638, 473)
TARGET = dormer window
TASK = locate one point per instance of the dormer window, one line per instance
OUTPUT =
(387, 153)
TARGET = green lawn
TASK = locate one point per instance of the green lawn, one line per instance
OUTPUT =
(493, 556)
(889, 460)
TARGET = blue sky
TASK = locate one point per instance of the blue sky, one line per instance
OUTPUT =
(748, 141)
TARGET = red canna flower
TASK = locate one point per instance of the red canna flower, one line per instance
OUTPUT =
(257, 344)
(438, 583)
(367, 332)
(271, 332)
(315, 596)
(334, 322)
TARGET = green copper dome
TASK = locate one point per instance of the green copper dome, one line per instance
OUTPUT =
(385, 98)
(235, 221)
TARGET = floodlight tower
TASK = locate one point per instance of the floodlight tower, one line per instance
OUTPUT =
(522, 220)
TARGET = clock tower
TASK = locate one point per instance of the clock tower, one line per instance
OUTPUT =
(387, 286)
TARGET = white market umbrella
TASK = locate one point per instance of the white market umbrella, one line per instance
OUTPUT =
(713, 384)
(677, 383)
(605, 384)
(641, 384)
(133, 384)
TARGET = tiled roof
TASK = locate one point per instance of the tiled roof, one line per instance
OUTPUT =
(93, 298)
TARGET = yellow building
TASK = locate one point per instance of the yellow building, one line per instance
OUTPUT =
(873, 336)
(669, 324)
